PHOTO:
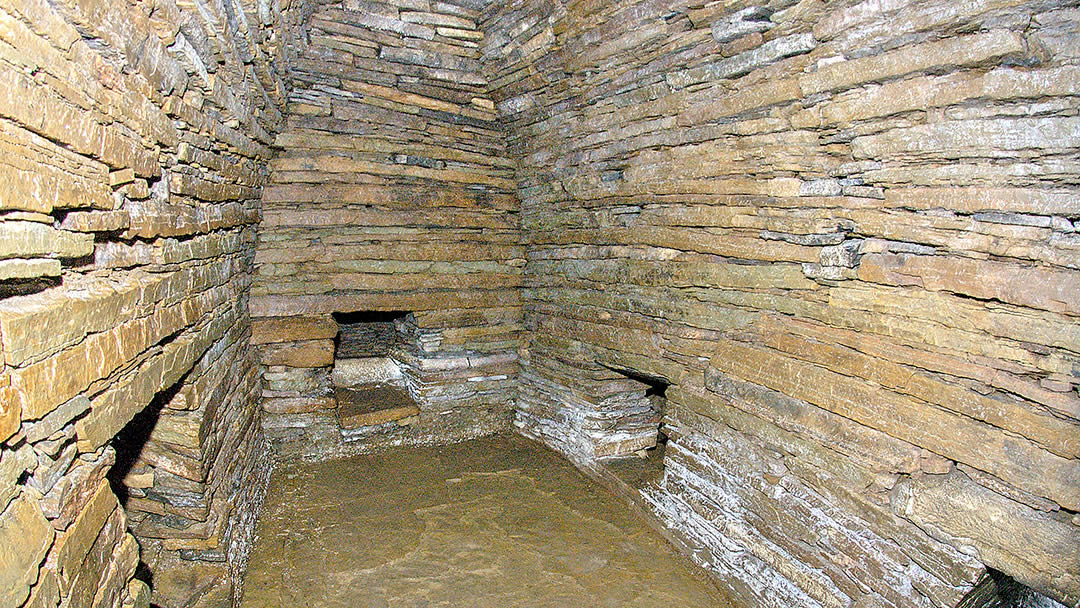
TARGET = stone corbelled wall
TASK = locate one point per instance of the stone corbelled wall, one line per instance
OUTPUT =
(134, 140)
(847, 234)
(390, 193)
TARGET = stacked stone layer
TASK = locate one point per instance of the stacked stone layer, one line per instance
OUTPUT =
(390, 193)
(846, 234)
(135, 138)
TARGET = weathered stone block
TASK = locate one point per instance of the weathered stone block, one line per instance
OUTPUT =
(139, 594)
(30, 239)
(46, 593)
(964, 138)
(1042, 288)
(769, 52)
(308, 353)
(297, 405)
(28, 269)
(959, 51)
(748, 20)
(56, 419)
(1040, 550)
(75, 543)
(267, 330)
(25, 537)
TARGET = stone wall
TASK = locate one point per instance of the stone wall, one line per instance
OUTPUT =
(391, 192)
(842, 235)
(846, 233)
(134, 141)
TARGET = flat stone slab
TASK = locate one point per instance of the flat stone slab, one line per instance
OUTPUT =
(373, 404)
(490, 523)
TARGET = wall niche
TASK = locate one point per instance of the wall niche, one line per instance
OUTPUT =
(369, 385)
(639, 436)
(351, 381)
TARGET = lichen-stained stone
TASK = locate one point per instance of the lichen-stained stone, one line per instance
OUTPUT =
(25, 537)
(89, 579)
(10, 409)
(203, 247)
(951, 436)
(1053, 433)
(438, 18)
(207, 190)
(91, 221)
(740, 23)
(153, 218)
(921, 93)
(76, 542)
(113, 586)
(391, 22)
(13, 463)
(183, 430)
(879, 450)
(979, 138)
(297, 405)
(73, 491)
(139, 594)
(767, 53)
(826, 474)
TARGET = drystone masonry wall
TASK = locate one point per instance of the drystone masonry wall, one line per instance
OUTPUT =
(846, 233)
(391, 193)
(134, 139)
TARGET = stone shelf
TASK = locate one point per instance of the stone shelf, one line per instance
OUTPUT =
(374, 404)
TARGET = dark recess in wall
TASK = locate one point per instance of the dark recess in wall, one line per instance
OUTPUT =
(998, 590)
(365, 334)
(644, 466)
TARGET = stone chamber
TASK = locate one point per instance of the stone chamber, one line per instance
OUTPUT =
(797, 279)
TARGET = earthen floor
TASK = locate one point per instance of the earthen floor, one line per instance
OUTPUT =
(497, 522)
